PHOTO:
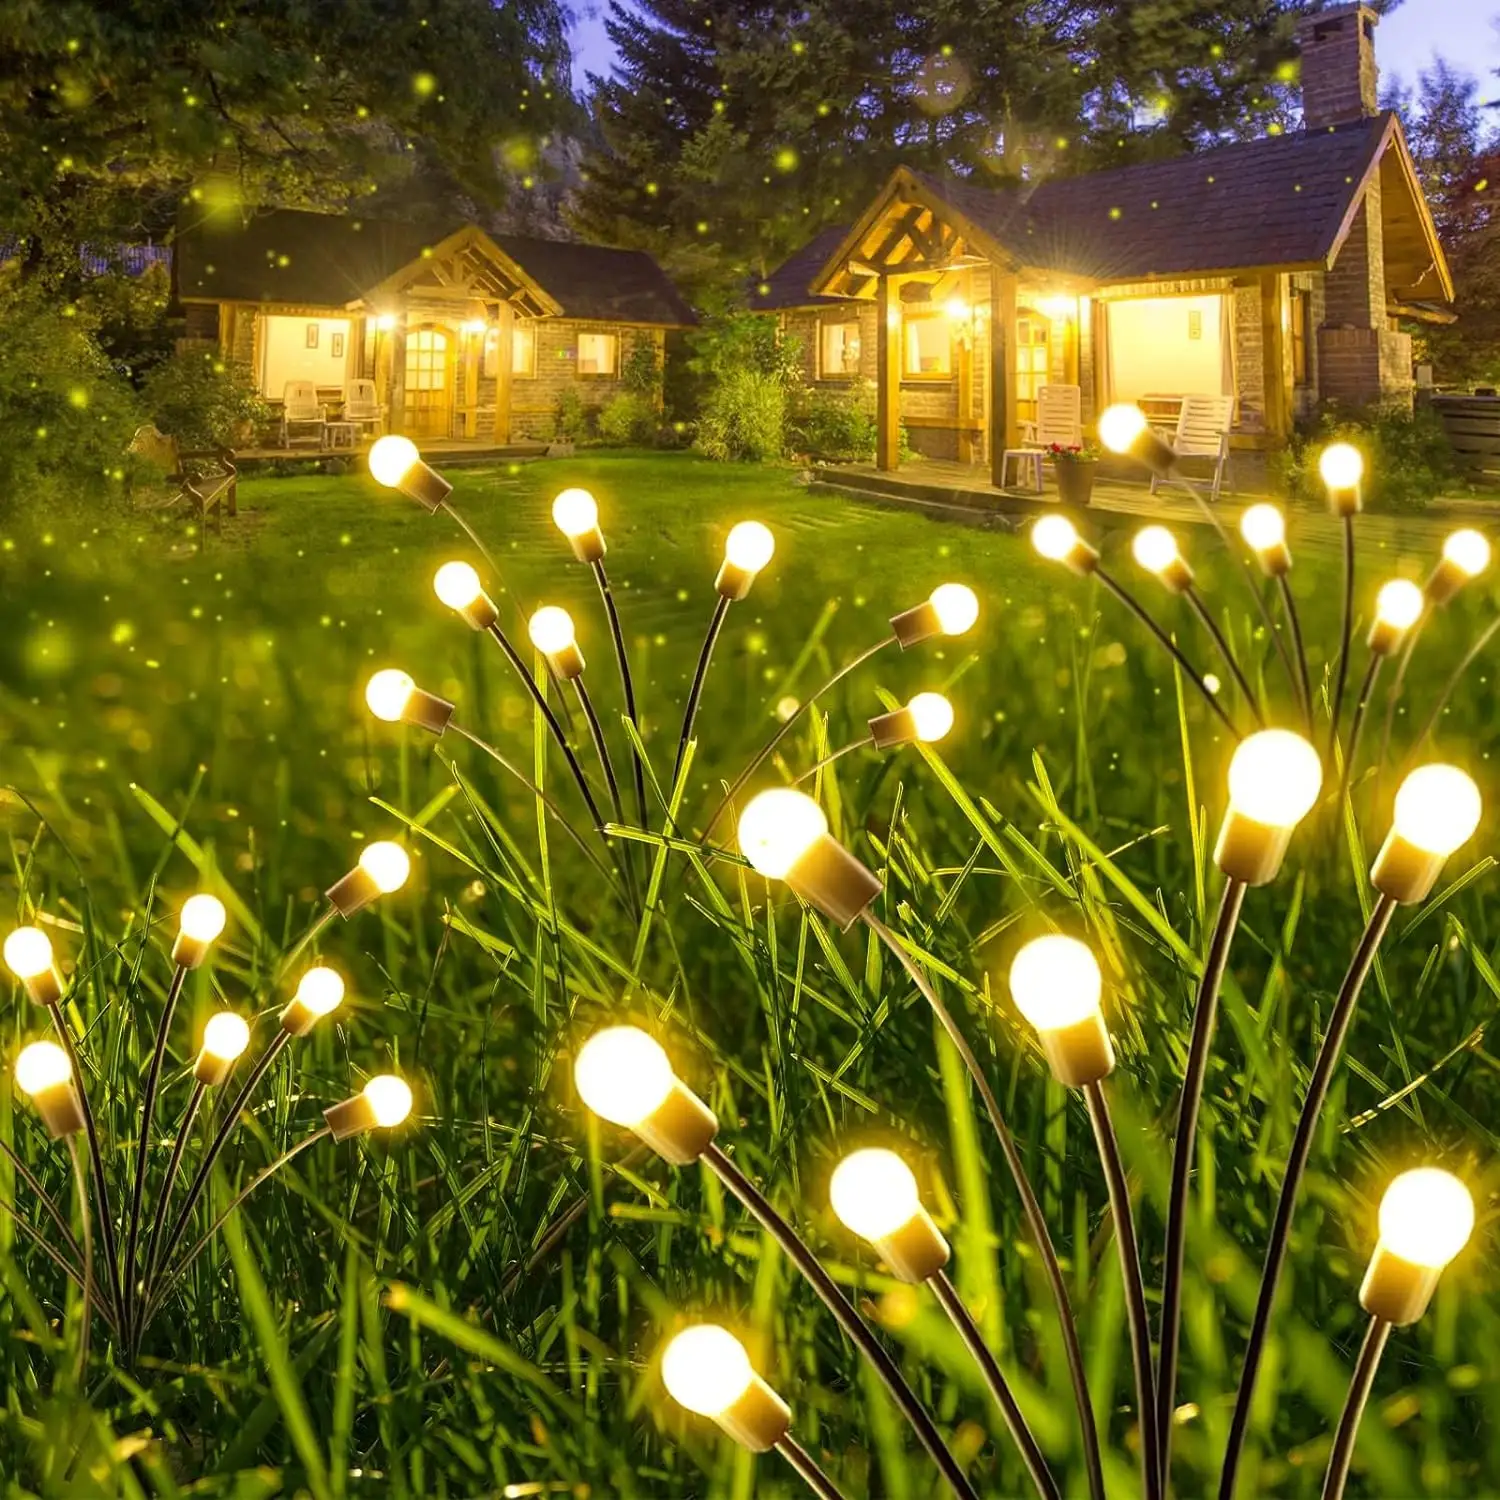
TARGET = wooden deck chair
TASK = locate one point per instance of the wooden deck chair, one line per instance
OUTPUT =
(300, 407)
(1203, 432)
(1059, 419)
(361, 408)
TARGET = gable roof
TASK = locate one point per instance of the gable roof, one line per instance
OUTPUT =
(333, 260)
(788, 285)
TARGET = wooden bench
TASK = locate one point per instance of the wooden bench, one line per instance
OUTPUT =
(1473, 427)
(203, 479)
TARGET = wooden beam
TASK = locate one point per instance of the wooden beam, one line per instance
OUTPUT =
(1276, 364)
(473, 347)
(504, 334)
(903, 230)
(398, 375)
(1003, 429)
(888, 378)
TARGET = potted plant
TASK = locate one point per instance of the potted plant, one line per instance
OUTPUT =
(1075, 465)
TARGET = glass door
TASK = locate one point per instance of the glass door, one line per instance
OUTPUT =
(429, 383)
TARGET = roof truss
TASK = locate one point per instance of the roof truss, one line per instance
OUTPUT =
(468, 266)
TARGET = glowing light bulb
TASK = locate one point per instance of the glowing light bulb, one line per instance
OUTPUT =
(1055, 982)
(750, 546)
(1275, 777)
(226, 1035)
(202, 917)
(387, 864)
(385, 322)
(1154, 548)
(1263, 526)
(1054, 537)
(456, 584)
(1342, 466)
(321, 990)
(574, 512)
(391, 459)
(1120, 426)
(957, 607)
(1426, 1217)
(623, 1075)
(42, 1065)
(956, 310)
(874, 1193)
(706, 1369)
(551, 629)
(28, 952)
(388, 692)
(933, 714)
(389, 1098)
(1399, 603)
(1437, 809)
(777, 828)
(1468, 551)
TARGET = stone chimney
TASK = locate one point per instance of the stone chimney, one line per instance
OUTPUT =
(1340, 78)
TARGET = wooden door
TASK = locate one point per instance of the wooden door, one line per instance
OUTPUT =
(429, 382)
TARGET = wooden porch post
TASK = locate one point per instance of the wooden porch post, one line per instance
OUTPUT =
(1276, 376)
(473, 346)
(1002, 369)
(505, 323)
(888, 377)
(398, 374)
(966, 354)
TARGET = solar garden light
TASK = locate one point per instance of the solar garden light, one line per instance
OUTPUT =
(1274, 780)
(551, 631)
(320, 992)
(392, 695)
(396, 463)
(1466, 554)
(383, 1103)
(575, 513)
(383, 868)
(1056, 538)
(458, 586)
(45, 1076)
(951, 609)
(1123, 429)
(225, 1038)
(1437, 809)
(1398, 607)
(28, 955)
(1342, 469)
(784, 834)
(1264, 529)
(927, 717)
(1426, 1218)
(201, 920)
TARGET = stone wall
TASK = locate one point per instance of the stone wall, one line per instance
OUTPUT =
(533, 398)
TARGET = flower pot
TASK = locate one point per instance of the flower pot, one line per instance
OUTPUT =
(1075, 481)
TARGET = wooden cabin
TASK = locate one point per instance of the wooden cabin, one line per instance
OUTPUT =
(1274, 272)
(465, 334)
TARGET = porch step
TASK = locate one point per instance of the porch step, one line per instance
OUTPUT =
(946, 494)
(855, 488)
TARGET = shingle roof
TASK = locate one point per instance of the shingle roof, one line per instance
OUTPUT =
(787, 285)
(328, 260)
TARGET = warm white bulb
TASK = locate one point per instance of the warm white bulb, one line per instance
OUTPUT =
(1055, 982)
(385, 322)
(873, 1193)
(1437, 808)
(387, 865)
(1120, 426)
(956, 310)
(28, 953)
(391, 458)
(706, 1369)
(1468, 550)
(389, 1099)
(387, 693)
(750, 546)
(623, 1074)
(777, 828)
(1054, 537)
(202, 918)
(957, 607)
(321, 990)
(1342, 466)
(933, 714)
(1263, 526)
(42, 1065)
(574, 512)
(551, 629)
(1154, 548)
(226, 1035)
(1275, 777)
(1426, 1217)
(1399, 603)
(456, 584)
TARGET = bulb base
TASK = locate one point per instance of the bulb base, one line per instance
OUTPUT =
(1079, 1054)
(733, 581)
(425, 485)
(1250, 851)
(298, 1019)
(1153, 450)
(1276, 560)
(1345, 500)
(1081, 558)
(913, 626)
(830, 878)
(189, 952)
(681, 1128)
(354, 892)
(480, 611)
(1395, 1289)
(917, 1250)
(427, 711)
(211, 1070)
(350, 1117)
(1384, 638)
(567, 663)
(1404, 872)
(45, 988)
(757, 1419)
(60, 1108)
(1176, 577)
(1446, 580)
(588, 546)
(892, 729)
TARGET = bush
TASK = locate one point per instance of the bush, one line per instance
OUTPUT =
(570, 418)
(744, 417)
(640, 373)
(628, 420)
(203, 402)
(835, 425)
(1408, 459)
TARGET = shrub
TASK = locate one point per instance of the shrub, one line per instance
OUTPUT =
(203, 402)
(570, 420)
(628, 420)
(835, 425)
(640, 373)
(1408, 459)
(744, 417)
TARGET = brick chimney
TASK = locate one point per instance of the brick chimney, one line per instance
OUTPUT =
(1340, 78)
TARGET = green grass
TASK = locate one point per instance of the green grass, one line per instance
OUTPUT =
(378, 1324)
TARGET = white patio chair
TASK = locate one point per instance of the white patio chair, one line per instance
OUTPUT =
(300, 407)
(1203, 432)
(361, 408)
(1059, 419)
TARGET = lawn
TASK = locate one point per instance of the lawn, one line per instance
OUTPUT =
(227, 689)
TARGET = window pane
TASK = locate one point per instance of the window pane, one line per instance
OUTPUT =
(929, 347)
(596, 353)
(840, 354)
(523, 349)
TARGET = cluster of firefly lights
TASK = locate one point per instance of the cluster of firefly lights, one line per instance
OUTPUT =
(131, 1286)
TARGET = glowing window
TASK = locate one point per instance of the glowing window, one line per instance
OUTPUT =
(928, 346)
(523, 349)
(838, 357)
(598, 354)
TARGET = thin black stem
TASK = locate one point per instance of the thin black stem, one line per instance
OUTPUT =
(80, 1181)
(1485, 637)
(807, 1470)
(1205, 1013)
(1360, 1384)
(164, 1202)
(1035, 1219)
(1168, 645)
(1296, 1165)
(1357, 723)
(601, 749)
(838, 754)
(1398, 683)
(966, 1328)
(627, 684)
(700, 674)
(540, 699)
(1135, 1287)
(844, 1314)
(143, 1149)
(1346, 632)
(786, 728)
(1227, 652)
(54, 1213)
(52, 1253)
(1294, 623)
